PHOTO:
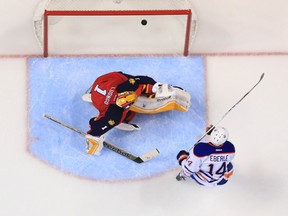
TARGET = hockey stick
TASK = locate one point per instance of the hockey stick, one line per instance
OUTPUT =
(261, 77)
(137, 159)
(178, 177)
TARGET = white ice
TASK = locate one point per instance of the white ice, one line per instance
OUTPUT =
(239, 40)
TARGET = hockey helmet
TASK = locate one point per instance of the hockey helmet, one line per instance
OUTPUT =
(126, 99)
(219, 136)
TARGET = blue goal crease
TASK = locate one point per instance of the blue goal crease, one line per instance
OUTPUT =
(55, 88)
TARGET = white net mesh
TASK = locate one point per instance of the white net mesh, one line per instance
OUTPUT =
(163, 34)
(118, 4)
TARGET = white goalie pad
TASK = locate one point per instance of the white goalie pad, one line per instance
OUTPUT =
(167, 98)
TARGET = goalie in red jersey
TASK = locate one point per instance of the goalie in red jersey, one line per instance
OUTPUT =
(118, 96)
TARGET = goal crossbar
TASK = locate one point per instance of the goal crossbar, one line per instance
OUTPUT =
(115, 12)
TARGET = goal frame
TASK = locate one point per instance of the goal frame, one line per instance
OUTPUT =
(48, 13)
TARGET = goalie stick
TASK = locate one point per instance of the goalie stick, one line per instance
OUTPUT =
(137, 159)
(178, 177)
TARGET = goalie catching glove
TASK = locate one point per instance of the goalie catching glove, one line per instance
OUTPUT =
(94, 144)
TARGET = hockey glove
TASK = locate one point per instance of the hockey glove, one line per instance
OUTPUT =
(182, 155)
(94, 144)
(210, 128)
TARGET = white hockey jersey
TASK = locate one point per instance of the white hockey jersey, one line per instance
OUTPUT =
(209, 165)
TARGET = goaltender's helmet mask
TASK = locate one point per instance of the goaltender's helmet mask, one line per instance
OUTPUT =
(219, 136)
(126, 99)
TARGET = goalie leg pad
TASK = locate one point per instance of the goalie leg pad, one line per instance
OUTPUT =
(94, 144)
(174, 99)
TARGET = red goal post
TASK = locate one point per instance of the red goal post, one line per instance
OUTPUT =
(147, 41)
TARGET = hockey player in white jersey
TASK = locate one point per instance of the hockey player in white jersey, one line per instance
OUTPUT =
(208, 163)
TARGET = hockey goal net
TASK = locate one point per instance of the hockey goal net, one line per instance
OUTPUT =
(115, 27)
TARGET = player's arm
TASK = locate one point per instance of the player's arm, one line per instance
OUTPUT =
(189, 162)
(144, 84)
(112, 117)
(99, 126)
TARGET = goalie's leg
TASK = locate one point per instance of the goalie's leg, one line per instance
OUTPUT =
(126, 126)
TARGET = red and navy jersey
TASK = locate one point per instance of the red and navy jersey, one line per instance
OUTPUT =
(104, 93)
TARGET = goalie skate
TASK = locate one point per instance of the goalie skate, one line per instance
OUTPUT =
(87, 95)
(87, 98)
(127, 127)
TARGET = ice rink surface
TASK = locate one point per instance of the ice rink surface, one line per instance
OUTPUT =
(238, 41)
